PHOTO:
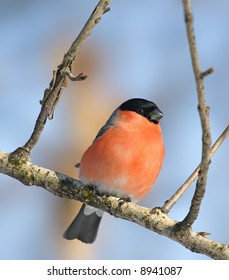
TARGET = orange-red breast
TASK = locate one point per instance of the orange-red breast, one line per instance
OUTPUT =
(124, 160)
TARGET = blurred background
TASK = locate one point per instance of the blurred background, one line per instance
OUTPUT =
(137, 50)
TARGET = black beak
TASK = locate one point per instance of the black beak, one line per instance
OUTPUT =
(156, 115)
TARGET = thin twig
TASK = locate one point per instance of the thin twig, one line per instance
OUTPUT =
(170, 202)
(204, 118)
(207, 72)
(53, 93)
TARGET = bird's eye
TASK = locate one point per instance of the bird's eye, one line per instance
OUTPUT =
(142, 111)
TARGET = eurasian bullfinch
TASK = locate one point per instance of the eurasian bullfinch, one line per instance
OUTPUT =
(124, 160)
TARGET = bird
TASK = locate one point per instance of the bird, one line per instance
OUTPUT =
(124, 160)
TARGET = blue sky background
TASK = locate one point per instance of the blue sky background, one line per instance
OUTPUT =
(139, 49)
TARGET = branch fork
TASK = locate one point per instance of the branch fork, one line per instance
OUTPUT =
(67, 72)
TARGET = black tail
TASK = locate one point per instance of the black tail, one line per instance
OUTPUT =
(84, 227)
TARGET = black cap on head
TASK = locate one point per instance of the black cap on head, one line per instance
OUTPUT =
(143, 107)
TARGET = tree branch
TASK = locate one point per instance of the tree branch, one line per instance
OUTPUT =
(18, 166)
(53, 93)
(204, 118)
(170, 202)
